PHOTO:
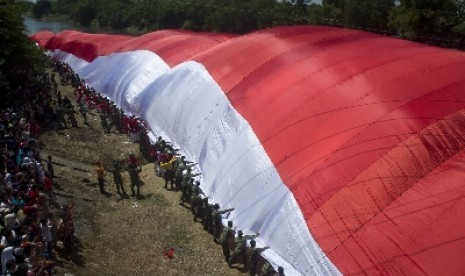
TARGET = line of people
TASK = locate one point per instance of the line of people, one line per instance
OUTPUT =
(178, 175)
(132, 166)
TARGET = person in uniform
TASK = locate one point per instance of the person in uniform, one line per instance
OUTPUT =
(186, 192)
(267, 270)
(254, 256)
(240, 245)
(207, 216)
(133, 170)
(217, 221)
(116, 171)
(196, 204)
(226, 235)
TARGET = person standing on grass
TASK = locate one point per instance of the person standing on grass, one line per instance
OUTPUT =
(254, 257)
(228, 233)
(133, 170)
(217, 221)
(240, 248)
(100, 176)
(83, 111)
(50, 167)
(117, 178)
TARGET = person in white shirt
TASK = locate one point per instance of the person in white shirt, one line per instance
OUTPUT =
(46, 236)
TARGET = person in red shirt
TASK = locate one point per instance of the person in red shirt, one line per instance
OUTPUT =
(33, 195)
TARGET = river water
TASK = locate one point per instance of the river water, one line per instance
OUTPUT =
(33, 26)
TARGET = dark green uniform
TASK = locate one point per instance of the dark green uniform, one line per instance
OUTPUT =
(70, 114)
(178, 177)
(207, 216)
(135, 180)
(196, 204)
(116, 171)
(267, 270)
(202, 209)
(217, 218)
(254, 257)
(187, 190)
(228, 233)
(240, 247)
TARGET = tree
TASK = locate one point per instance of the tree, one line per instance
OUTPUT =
(83, 12)
(18, 55)
(415, 19)
(41, 8)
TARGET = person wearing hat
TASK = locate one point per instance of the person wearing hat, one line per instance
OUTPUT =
(217, 221)
(267, 269)
(186, 191)
(196, 203)
(240, 247)
(178, 172)
(202, 209)
(254, 256)
(228, 233)
(207, 216)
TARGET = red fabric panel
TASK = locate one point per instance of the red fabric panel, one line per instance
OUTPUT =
(85, 46)
(403, 214)
(175, 47)
(172, 46)
(328, 107)
(42, 38)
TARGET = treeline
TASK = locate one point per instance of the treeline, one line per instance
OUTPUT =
(406, 18)
(18, 56)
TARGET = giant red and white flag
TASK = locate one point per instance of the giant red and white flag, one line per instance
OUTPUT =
(344, 149)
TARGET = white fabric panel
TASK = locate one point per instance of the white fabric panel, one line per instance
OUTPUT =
(76, 63)
(121, 76)
(187, 105)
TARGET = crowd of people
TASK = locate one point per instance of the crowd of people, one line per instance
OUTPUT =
(30, 230)
(32, 222)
